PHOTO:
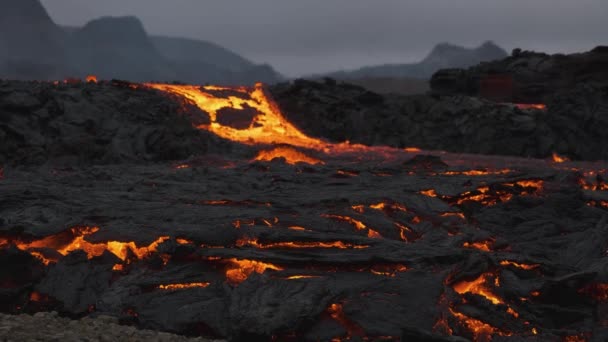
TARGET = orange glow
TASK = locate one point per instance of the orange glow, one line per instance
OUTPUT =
(182, 166)
(290, 154)
(451, 214)
(536, 185)
(183, 241)
(596, 291)
(91, 79)
(298, 228)
(373, 234)
(412, 149)
(302, 277)
(182, 286)
(429, 193)
(239, 270)
(478, 287)
(388, 271)
(538, 106)
(347, 173)
(357, 224)
(476, 172)
(336, 312)
(403, 230)
(518, 265)
(36, 297)
(485, 246)
(481, 331)
(267, 127)
(386, 206)
(575, 338)
(559, 159)
(74, 239)
(359, 208)
(333, 244)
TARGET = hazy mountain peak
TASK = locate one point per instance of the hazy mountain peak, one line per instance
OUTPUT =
(115, 29)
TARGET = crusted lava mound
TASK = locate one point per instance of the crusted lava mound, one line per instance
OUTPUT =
(530, 77)
(309, 240)
(573, 123)
(110, 122)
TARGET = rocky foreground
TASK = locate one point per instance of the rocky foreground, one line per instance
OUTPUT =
(50, 326)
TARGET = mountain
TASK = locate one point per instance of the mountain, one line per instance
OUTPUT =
(443, 56)
(192, 50)
(196, 60)
(31, 44)
(117, 47)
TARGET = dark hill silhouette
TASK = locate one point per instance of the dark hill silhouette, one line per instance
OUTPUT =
(117, 47)
(30, 42)
(444, 55)
(32, 46)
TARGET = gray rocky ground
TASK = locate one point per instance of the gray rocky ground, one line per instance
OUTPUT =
(49, 326)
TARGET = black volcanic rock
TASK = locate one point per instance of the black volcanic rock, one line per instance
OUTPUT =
(525, 77)
(31, 45)
(573, 125)
(443, 55)
(94, 123)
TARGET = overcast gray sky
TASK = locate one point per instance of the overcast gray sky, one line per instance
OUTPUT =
(307, 36)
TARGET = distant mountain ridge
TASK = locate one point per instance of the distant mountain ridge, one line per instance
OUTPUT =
(442, 56)
(32, 46)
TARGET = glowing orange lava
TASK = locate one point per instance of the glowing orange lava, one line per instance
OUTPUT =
(481, 331)
(267, 127)
(336, 311)
(182, 286)
(538, 106)
(91, 79)
(518, 265)
(485, 246)
(74, 239)
(479, 287)
(239, 270)
(290, 154)
(559, 159)
(333, 244)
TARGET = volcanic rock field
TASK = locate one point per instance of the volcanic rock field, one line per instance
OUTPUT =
(332, 214)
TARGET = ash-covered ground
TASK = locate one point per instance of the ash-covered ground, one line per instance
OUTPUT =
(163, 206)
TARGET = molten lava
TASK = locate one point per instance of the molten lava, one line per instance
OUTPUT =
(296, 244)
(478, 287)
(518, 265)
(171, 287)
(239, 270)
(91, 79)
(485, 245)
(267, 127)
(290, 154)
(481, 331)
(559, 159)
(74, 239)
(537, 106)
(336, 312)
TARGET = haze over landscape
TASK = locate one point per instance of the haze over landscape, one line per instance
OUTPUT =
(316, 36)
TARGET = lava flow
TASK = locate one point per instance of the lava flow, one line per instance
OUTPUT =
(74, 239)
(267, 127)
